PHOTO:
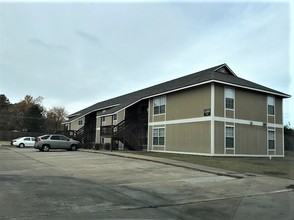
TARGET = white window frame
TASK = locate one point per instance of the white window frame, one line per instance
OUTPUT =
(271, 138)
(103, 120)
(271, 102)
(159, 102)
(80, 122)
(114, 119)
(230, 94)
(226, 136)
(159, 136)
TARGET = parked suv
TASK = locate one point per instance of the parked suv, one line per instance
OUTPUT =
(55, 141)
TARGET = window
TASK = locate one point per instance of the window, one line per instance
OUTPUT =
(80, 122)
(114, 118)
(229, 137)
(270, 105)
(103, 121)
(158, 136)
(54, 137)
(45, 137)
(27, 139)
(230, 96)
(159, 105)
(271, 140)
(63, 138)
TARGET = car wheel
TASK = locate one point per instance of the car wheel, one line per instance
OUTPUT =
(46, 148)
(73, 147)
(21, 145)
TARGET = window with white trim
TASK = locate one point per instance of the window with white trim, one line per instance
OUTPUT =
(270, 105)
(159, 105)
(158, 136)
(103, 120)
(230, 98)
(230, 137)
(80, 122)
(114, 119)
(271, 140)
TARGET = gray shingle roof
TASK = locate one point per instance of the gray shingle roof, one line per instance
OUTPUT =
(205, 76)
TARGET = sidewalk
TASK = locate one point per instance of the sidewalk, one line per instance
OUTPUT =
(219, 172)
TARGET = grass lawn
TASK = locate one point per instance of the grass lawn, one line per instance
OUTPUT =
(278, 167)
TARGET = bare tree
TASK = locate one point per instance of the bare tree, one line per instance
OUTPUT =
(54, 117)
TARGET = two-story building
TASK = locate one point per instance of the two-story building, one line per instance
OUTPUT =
(212, 112)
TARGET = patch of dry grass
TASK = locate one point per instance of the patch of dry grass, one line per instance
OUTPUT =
(278, 167)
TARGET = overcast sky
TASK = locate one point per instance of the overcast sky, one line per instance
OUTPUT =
(75, 54)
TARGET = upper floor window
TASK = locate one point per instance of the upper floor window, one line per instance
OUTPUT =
(114, 119)
(103, 120)
(159, 105)
(230, 97)
(270, 105)
(80, 122)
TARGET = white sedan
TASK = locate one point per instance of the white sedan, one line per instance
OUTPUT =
(23, 142)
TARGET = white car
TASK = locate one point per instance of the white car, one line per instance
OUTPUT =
(23, 142)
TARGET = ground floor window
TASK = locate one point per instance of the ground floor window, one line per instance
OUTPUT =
(271, 140)
(158, 136)
(230, 143)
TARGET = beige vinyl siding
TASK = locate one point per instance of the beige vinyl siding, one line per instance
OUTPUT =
(250, 105)
(279, 141)
(157, 118)
(219, 137)
(271, 119)
(190, 137)
(250, 139)
(188, 103)
(74, 125)
(120, 116)
(278, 110)
(108, 120)
(219, 100)
(230, 114)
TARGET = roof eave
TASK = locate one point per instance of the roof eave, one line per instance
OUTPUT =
(94, 110)
(254, 89)
(198, 84)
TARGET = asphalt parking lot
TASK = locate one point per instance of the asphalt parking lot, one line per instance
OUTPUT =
(84, 185)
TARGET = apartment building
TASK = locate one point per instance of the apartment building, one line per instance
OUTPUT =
(212, 112)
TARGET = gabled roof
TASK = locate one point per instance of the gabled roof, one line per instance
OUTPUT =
(219, 74)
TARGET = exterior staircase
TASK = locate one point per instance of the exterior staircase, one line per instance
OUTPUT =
(127, 132)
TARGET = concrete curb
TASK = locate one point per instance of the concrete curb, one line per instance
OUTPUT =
(191, 166)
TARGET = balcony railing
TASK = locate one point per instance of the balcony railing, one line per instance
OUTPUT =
(106, 131)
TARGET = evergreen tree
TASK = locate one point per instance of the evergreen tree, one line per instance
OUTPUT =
(4, 112)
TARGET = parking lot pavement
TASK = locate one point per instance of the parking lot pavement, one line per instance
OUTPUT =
(82, 185)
